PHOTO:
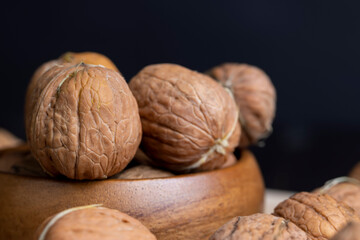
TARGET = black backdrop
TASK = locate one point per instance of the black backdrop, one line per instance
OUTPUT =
(310, 49)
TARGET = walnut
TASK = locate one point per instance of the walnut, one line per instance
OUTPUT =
(88, 58)
(254, 94)
(8, 140)
(67, 59)
(92, 222)
(355, 172)
(259, 226)
(320, 215)
(142, 172)
(345, 190)
(350, 232)
(84, 122)
(189, 121)
(230, 160)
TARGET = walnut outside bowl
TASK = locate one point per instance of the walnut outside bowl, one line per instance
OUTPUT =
(188, 206)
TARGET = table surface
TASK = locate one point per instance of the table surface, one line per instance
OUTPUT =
(273, 197)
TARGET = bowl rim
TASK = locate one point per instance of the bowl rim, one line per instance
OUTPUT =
(245, 154)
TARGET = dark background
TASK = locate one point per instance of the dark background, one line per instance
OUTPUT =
(310, 49)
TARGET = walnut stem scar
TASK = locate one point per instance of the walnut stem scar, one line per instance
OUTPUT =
(220, 144)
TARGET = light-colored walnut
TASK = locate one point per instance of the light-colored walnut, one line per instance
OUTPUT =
(320, 215)
(83, 122)
(254, 94)
(259, 226)
(92, 223)
(143, 172)
(189, 121)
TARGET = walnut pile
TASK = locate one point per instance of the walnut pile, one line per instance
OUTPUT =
(254, 94)
(320, 215)
(259, 226)
(92, 223)
(189, 120)
(82, 122)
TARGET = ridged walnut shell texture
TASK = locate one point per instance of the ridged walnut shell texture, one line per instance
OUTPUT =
(84, 122)
(67, 59)
(320, 215)
(254, 94)
(96, 223)
(348, 193)
(259, 226)
(185, 115)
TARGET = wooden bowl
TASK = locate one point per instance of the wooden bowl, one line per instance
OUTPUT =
(189, 206)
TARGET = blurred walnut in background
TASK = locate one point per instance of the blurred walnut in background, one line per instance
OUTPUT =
(255, 96)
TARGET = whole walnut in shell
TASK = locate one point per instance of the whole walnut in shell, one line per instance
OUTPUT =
(350, 232)
(254, 94)
(189, 121)
(92, 223)
(67, 59)
(320, 215)
(259, 226)
(345, 190)
(84, 122)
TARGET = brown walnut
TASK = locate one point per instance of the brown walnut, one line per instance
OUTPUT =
(67, 59)
(143, 172)
(355, 172)
(259, 226)
(8, 139)
(320, 215)
(345, 190)
(92, 223)
(254, 94)
(83, 122)
(189, 121)
(350, 232)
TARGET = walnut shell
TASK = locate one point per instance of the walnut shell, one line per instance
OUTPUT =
(346, 192)
(88, 58)
(259, 226)
(350, 232)
(93, 223)
(320, 215)
(84, 122)
(8, 139)
(65, 60)
(230, 160)
(142, 172)
(255, 95)
(355, 172)
(189, 121)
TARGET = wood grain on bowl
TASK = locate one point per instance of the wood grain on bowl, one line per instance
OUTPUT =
(189, 206)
